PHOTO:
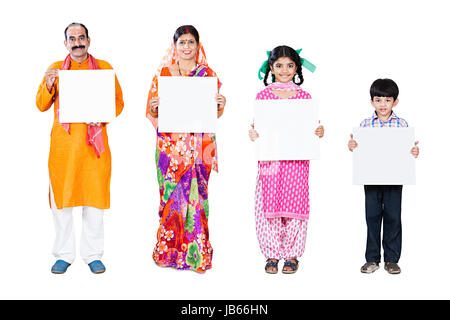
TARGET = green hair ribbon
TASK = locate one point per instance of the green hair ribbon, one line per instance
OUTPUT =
(305, 63)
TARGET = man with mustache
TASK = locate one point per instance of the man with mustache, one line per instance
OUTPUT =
(79, 161)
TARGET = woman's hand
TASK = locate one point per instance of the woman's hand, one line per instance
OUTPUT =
(221, 101)
(320, 131)
(252, 133)
(415, 150)
(352, 144)
(154, 104)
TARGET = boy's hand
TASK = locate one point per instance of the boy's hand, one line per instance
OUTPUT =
(319, 131)
(252, 133)
(415, 150)
(352, 144)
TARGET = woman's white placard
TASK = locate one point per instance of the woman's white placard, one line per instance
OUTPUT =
(187, 104)
(383, 156)
(87, 96)
(286, 129)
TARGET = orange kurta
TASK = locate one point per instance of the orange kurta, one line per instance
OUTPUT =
(77, 176)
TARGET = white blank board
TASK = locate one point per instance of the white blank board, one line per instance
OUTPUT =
(187, 104)
(87, 96)
(383, 156)
(286, 129)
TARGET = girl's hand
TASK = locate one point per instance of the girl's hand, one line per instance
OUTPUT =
(252, 133)
(415, 150)
(319, 131)
(154, 104)
(94, 124)
(221, 101)
(352, 144)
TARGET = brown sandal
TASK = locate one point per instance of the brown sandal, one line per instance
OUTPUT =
(392, 267)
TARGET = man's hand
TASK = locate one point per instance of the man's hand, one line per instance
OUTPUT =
(50, 78)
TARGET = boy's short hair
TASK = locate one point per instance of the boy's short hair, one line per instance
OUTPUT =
(384, 88)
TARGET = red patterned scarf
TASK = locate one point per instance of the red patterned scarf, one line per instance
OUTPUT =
(94, 136)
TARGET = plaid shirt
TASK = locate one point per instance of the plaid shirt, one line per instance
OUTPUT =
(392, 122)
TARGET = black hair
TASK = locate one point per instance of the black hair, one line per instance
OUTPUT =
(280, 52)
(384, 88)
(76, 24)
(185, 30)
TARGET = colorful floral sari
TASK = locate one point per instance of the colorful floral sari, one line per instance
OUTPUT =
(184, 162)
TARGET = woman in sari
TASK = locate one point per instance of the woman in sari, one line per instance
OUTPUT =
(184, 162)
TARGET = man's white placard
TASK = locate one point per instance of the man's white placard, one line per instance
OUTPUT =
(187, 104)
(286, 129)
(383, 156)
(87, 96)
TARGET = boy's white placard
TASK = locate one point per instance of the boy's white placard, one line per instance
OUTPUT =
(187, 104)
(87, 96)
(383, 156)
(286, 129)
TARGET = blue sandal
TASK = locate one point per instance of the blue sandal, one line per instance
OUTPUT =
(60, 267)
(97, 267)
(290, 264)
(271, 263)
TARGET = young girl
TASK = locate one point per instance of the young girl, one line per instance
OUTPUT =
(281, 223)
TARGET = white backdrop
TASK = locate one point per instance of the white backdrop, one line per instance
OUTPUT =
(351, 42)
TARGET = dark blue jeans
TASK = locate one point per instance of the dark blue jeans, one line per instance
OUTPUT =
(383, 206)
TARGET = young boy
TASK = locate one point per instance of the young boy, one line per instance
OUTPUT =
(383, 202)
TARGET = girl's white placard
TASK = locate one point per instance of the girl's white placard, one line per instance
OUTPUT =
(87, 96)
(187, 104)
(286, 129)
(383, 156)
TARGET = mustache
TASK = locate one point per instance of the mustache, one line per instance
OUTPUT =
(78, 47)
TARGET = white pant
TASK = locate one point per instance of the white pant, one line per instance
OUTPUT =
(92, 235)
